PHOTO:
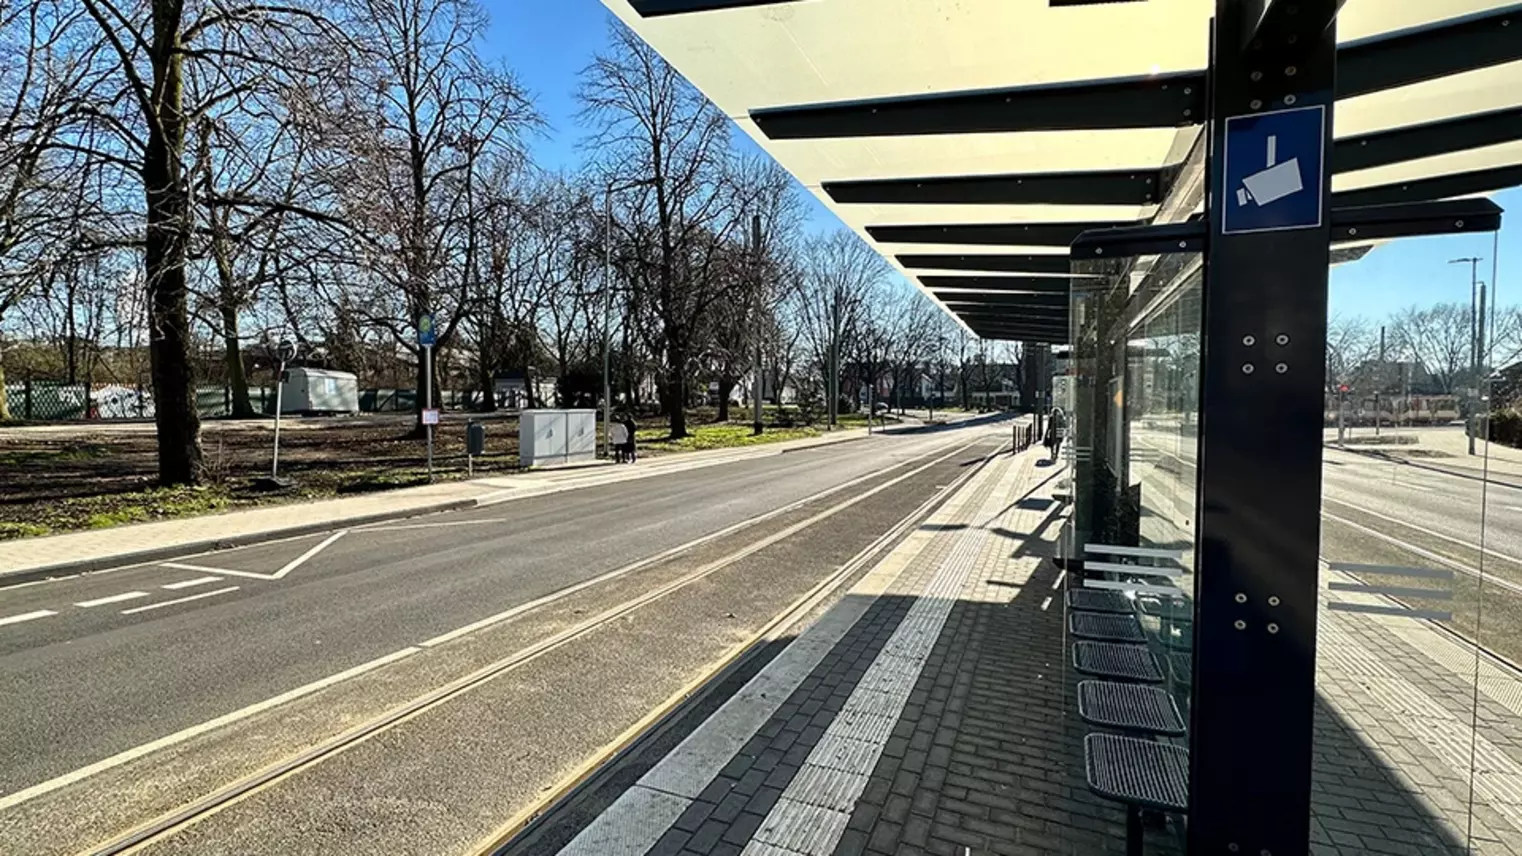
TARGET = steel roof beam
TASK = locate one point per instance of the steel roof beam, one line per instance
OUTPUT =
(1095, 187)
(991, 234)
(1031, 284)
(1430, 189)
(1439, 49)
(1050, 263)
(1396, 145)
(661, 8)
(1149, 101)
(1154, 101)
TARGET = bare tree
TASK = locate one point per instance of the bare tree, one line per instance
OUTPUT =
(48, 80)
(1438, 338)
(231, 51)
(657, 136)
(841, 275)
(1506, 339)
(403, 138)
(1350, 342)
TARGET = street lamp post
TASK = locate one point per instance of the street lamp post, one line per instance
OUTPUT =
(607, 305)
(755, 386)
(1476, 341)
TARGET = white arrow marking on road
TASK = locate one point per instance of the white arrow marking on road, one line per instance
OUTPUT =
(27, 616)
(280, 574)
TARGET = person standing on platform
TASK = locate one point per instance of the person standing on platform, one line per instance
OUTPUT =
(1056, 424)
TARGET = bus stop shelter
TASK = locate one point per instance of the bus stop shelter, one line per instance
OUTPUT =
(1070, 171)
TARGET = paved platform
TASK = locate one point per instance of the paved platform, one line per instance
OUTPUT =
(933, 711)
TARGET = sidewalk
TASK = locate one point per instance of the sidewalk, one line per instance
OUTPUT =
(933, 711)
(928, 712)
(1444, 448)
(74, 552)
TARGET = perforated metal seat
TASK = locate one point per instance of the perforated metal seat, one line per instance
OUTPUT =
(1141, 773)
(1129, 707)
(1105, 628)
(1099, 600)
(1117, 662)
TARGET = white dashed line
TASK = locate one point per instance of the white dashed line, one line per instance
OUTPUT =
(27, 616)
(183, 584)
(115, 598)
(213, 593)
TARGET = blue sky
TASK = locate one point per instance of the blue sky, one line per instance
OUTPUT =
(548, 42)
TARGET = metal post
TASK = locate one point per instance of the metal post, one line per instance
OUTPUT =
(428, 400)
(1471, 393)
(279, 394)
(1381, 379)
(1263, 394)
(1482, 406)
(755, 230)
(607, 321)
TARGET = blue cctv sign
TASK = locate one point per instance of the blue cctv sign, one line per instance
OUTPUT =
(1274, 171)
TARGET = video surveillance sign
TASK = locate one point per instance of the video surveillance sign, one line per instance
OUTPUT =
(1274, 171)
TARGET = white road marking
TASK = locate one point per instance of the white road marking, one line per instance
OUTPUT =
(183, 584)
(37, 790)
(27, 616)
(280, 574)
(1422, 529)
(115, 598)
(182, 566)
(161, 604)
(1045, 604)
(384, 527)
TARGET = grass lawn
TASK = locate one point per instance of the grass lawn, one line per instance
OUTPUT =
(716, 436)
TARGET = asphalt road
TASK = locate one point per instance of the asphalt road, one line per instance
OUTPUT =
(1377, 512)
(112, 662)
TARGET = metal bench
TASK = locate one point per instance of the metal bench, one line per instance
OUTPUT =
(1105, 628)
(1117, 662)
(1129, 707)
(1099, 600)
(1139, 774)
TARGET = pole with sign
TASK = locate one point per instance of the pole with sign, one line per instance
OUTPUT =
(426, 338)
(284, 353)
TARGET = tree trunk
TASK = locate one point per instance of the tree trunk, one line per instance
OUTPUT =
(237, 380)
(168, 230)
(5, 407)
(726, 386)
(676, 391)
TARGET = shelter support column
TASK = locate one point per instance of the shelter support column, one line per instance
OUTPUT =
(1274, 65)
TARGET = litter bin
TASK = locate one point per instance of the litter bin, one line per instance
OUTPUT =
(475, 439)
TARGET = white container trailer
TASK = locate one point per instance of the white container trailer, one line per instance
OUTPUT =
(306, 390)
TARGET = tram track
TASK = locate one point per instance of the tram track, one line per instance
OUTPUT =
(169, 823)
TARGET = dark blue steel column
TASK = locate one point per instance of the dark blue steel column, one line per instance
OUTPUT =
(1260, 440)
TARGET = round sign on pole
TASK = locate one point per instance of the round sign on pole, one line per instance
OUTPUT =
(286, 350)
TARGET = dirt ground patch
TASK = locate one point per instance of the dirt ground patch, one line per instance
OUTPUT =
(55, 478)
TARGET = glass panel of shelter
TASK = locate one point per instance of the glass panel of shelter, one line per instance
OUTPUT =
(1131, 389)
(1418, 739)
(1419, 705)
